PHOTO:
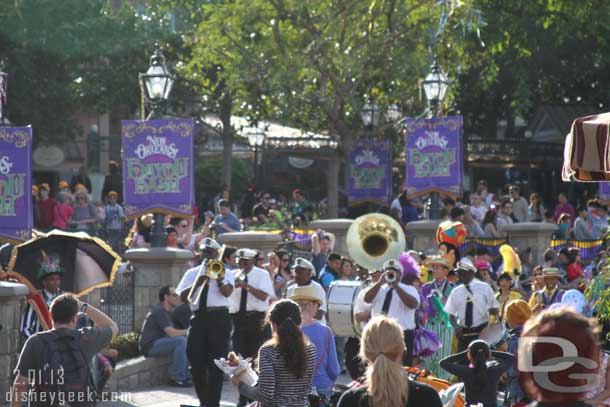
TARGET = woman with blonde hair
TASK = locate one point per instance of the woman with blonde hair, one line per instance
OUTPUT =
(387, 383)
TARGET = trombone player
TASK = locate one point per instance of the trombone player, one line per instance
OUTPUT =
(209, 287)
(396, 300)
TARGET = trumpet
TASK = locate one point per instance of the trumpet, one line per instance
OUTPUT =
(210, 269)
(390, 276)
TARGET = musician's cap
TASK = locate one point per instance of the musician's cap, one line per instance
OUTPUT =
(551, 272)
(209, 243)
(305, 293)
(303, 264)
(394, 265)
(465, 266)
(439, 261)
(247, 254)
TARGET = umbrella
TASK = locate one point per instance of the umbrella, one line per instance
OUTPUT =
(87, 262)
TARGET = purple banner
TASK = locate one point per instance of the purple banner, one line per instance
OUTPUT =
(370, 171)
(16, 213)
(158, 166)
(434, 155)
(604, 192)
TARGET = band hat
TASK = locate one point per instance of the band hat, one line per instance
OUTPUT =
(209, 243)
(305, 293)
(303, 263)
(439, 261)
(247, 254)
(551, 272)
(394, 265)
(465, 266)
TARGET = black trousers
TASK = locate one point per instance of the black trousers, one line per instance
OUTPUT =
(249, 333)
(353, 364)
(407, 359)
(469, 335)
(208, 339)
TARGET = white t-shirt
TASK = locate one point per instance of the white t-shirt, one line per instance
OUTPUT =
(362, 306)
(320, 293)
(259, 279)
(404, 315)
(215, 297)
(483, 300)
(478, 213)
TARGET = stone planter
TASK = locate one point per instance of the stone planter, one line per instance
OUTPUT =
(263, 241)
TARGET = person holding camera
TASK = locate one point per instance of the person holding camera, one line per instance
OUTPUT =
(391, 297)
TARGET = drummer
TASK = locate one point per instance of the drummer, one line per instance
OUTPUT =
(433, 298)
(399, 301)
(550, 294)
(469, 306)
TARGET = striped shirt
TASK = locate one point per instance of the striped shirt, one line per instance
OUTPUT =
(30, 323)
(277, 386)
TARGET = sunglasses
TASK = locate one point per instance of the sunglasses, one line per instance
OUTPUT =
(284, 259)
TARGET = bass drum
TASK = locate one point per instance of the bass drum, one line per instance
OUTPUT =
(342, 296)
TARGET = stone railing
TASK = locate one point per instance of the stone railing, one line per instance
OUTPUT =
(140, 372)
(11, 306)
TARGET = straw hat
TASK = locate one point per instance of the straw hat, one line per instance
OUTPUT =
(439, 261)
(551, 272)
(305, 293)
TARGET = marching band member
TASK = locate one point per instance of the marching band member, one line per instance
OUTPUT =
(550, 294)
(469, 306)
(210, 326)
(434, 296)
(249, 303)
(304, 271)
(36, 317)
(399, 301)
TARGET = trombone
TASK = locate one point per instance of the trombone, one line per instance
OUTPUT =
(210, 269)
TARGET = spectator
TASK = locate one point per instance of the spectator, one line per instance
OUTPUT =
(220, 195)
(387, 383)
(159, 336)
(548, 216)
(63, 186)
(408, 211)
(47, 207)
(330, 272)
(43, 352)
(260, 211)
(448, 204)
(113, 181)
(281, 273)
(517, 313)
(536, 208)
(599, 220)
(303, 277)
(520, 206)
(226, 221)
(85, 213)
(477, 208)
(35, 207)
(115, 219)
(474, 229)
(321, 246)
(487, 196)
(457, 214)
(82, 177)
(562, 207)
(489, 223)
(565, 231)
(63, 211)
(287, 362)
(172, 237)
(504, 218)
(247, 203)
(301, 208)
(327, 364)
(581, 226)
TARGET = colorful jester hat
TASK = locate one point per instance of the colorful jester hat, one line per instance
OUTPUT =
(48, 265)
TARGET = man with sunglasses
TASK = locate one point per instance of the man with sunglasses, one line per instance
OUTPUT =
(261, 209)
(304, 272)
(210, 325)
(249, 303)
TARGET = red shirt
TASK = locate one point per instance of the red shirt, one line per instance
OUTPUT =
(574, 271)
(47, 213)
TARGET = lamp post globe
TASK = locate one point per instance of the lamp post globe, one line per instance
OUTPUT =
(370, 114)
(435, 87)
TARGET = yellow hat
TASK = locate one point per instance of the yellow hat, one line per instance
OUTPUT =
(34, 189)
(112, 193)
(79, 187)
(63, 184)
(518, 312)
(45, 186)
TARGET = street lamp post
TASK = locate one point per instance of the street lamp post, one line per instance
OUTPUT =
(156, 85)
(370, 115)
(435, 88)
(256, 138)
(3, 96)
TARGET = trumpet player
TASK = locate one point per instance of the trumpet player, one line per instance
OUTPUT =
(391, 297)
(249, 303)
(210, 325)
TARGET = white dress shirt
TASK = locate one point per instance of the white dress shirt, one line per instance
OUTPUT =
(320, 293)
(259, 279)
(362, 306)
(215, 297)
(404, 315)
(483, 300)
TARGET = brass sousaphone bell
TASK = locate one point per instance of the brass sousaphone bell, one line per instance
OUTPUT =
(373, 239)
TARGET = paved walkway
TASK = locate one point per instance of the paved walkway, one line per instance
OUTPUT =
(174, 396)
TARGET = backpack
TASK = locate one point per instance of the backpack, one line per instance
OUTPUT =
(65, 375)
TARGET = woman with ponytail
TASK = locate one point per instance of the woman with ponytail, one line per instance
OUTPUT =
(387, 383)
(286, 362)
(479, 372)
